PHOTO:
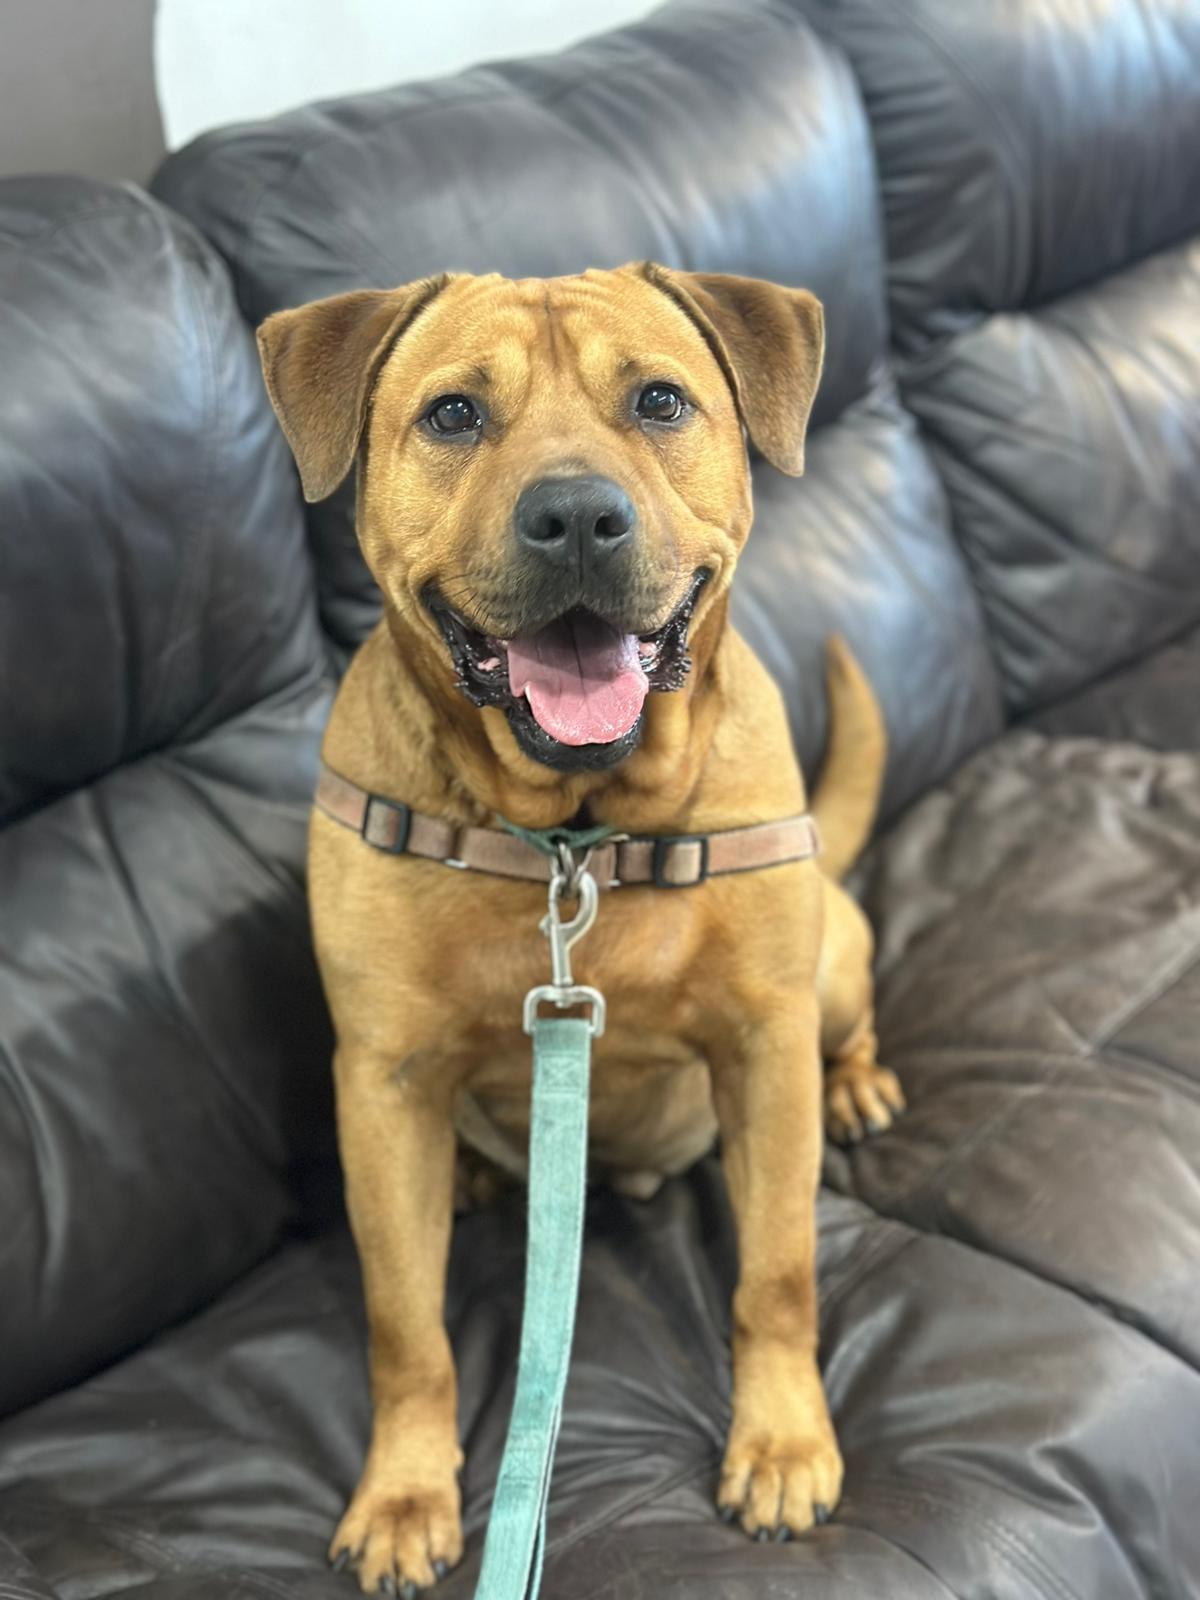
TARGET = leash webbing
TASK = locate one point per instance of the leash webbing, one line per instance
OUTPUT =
(515, 1546)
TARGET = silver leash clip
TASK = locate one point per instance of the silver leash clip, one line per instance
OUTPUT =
(570, 880)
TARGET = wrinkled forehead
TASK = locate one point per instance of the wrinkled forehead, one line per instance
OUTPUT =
(599, 329)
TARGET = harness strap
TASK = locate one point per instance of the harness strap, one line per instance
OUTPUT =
(670, 861)
(516, 1534)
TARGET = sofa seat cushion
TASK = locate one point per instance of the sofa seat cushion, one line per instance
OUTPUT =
(1152, 702)
(1039, 989)
(1009, 1298)
(1004, 1437)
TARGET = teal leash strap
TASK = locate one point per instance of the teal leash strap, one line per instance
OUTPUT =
(515, 1547)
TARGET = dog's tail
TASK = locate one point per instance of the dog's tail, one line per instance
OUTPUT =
(847, 796)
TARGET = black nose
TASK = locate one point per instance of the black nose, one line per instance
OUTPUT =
(577, 522)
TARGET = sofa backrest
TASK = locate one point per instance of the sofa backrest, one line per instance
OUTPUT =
(721, 136)
(162, 1033)
(1039, 165)
(151, 584)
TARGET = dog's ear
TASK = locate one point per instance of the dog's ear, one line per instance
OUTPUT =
(770, 342)
(321, 361)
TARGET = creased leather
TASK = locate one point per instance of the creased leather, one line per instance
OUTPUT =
(1038, 182)
(163, 1041)
(150, 584)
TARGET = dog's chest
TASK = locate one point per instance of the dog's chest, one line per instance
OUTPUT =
(650, 1103)
(645, 953)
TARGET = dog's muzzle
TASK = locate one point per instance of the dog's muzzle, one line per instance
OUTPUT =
(574, 689)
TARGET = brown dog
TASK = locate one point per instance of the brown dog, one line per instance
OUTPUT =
(552, 494)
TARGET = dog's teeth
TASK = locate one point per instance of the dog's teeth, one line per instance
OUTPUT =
(490, 664)
(646, 649)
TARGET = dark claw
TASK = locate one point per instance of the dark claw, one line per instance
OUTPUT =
(762, 1536)
(439, 1570)
(409, 1592)
(387, 1585)
(875, 1126)
(820, 1515)
(782, 1533)
(728, 1513)
(341, 1561)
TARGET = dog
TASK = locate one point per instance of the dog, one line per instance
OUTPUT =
(553, 490)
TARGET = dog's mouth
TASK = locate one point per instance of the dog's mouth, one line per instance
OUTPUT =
(573, 690)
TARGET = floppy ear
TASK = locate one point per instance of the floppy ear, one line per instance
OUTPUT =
(770, 342)
(320, 362)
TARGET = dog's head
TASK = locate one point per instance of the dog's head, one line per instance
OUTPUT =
(553, 483)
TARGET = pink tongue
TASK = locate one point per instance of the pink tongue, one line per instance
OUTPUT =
(583, 679)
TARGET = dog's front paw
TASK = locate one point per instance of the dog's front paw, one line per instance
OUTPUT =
(778, 1483)
(861, 1097)
(399, 1542)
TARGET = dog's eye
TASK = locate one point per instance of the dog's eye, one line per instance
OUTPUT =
(452, 413)
(659, 402)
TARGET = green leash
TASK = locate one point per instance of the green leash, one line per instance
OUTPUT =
(514, 1550)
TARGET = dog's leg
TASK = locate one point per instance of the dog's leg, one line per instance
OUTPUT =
(861, 1096)
(782, 1468)
(396, 1133)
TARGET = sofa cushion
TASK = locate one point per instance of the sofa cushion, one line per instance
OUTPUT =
(1039, 982)
(1151, 703)
(1026, 149)
(151, 582)
(1037, 168)
(1008, 1290)
(163, 1042)
(719, 136)
(1003, 1437)
(1008, 1334)
(1068, 437)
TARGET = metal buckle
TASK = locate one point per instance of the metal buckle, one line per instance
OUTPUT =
(659, 860)
(577, 994)
(562, 990)
(570, 867)
(403, 828)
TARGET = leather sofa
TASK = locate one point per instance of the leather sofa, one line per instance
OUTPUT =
(998, 204)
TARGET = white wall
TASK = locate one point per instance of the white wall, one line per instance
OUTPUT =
(228, 60)
(77, 88)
